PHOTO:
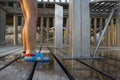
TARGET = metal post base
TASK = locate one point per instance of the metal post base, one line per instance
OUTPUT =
(67, 57)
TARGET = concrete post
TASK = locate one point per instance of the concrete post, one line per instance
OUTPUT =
(15, 25)
(47, 29)
(41, 31)
(67, 30)
(2, 27)
(80, 28)
(58, 26)
(22, 21)
(95, 29)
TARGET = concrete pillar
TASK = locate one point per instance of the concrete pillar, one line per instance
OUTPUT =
(118, 27)
(54, 32)
(22, 25)
(95, 30)
(113, 34)
(41, 31)
(106, 34)
(118, 33)
(15, 5)
(47, 29)
(58, 26)
(15, 25)
(22, 21)
(101, 26)
(80, 27)
(111, 27)
(53, 21)
(2, 27)
(109, 34)
(67, 30)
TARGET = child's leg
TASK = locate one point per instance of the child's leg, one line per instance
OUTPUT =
(23, 31)
(30, 7)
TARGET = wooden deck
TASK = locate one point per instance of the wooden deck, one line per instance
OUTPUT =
(20, 70)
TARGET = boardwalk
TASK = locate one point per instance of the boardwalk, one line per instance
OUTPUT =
(20, 70)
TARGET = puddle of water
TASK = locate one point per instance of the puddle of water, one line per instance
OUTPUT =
(82, 72)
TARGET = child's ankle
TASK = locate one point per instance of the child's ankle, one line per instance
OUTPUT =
(30, 52)
(29, 55)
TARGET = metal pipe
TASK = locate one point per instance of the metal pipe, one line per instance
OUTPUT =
(104, 30)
